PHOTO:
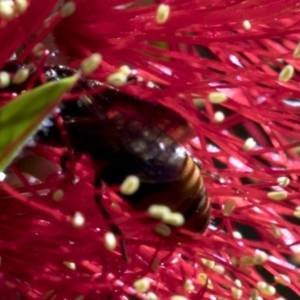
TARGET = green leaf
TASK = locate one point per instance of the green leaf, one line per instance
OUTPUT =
(21, 117)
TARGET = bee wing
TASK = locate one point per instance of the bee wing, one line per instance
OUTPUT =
(149, 133)
(150, 113)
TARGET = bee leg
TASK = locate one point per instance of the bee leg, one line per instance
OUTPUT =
(115, 229)
(206, 173)
(214, 176)
(65, 159)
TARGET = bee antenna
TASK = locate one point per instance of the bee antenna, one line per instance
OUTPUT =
(115, 229)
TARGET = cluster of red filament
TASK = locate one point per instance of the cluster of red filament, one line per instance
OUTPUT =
(202, 48)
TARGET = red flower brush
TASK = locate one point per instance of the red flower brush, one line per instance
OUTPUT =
(226, 70)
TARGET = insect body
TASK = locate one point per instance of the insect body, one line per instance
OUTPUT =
(129, 136)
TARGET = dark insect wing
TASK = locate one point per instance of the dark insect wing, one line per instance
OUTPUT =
(118, 102)
(140, 136)
(134, 135)
(111, 101)
(151, 113)
(147, 131)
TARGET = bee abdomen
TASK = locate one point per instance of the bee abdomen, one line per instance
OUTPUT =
(198, 216)
(195, 205)
(186, 195)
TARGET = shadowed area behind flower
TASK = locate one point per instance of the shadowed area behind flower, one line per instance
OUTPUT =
(247, 133)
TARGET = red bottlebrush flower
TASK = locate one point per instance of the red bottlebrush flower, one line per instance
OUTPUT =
(230, 70)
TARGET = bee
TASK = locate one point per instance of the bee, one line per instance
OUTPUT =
(124, 135)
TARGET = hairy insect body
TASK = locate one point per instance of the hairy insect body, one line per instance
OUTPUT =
(131, 137)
